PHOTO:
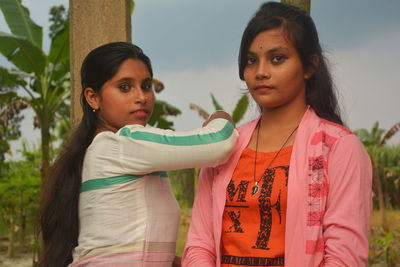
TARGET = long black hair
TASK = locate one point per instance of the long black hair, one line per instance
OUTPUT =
(301, 30)
(59, 218)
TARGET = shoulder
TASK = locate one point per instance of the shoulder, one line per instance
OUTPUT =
(334, 129)
(329, 133)
(339, 139)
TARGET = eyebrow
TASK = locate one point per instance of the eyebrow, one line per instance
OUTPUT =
(127, 79)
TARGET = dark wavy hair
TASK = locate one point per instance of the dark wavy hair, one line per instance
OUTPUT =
(59, 218)
(301, 30)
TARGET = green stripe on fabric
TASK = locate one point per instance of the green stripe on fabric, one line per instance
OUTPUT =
(191, 140)
(105, 182)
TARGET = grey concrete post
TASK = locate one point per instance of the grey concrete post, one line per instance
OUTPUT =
(93, 23)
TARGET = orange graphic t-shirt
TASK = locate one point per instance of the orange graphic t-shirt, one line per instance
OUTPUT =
(253, 226)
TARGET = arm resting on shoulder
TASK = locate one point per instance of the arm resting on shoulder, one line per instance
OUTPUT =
(150, 149)
(349, 204)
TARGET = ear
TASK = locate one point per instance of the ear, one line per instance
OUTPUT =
(312, 67)
(92, 97)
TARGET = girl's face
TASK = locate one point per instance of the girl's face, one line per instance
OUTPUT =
(274, 73)
(127, 98)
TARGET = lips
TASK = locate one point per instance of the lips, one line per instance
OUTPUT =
(263, 88)
(140, 113)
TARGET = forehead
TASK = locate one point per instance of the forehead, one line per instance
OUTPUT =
(271, 38)
(131, 68)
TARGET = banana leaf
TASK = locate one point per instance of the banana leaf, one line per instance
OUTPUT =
(59, 49)
(22, 53)
(20, 23)
(217, 106)
(240, 109)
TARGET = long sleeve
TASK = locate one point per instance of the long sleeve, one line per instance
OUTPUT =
(349, 204)
(200, 245)
(135, 149)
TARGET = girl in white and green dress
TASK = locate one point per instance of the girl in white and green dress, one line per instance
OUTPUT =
(108, 200)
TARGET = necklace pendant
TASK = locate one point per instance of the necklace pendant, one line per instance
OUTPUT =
(255, 189)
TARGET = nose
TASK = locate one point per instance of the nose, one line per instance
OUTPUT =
(262, 70)
(139, 96)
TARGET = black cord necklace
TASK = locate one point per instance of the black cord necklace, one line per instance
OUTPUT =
(256, 188)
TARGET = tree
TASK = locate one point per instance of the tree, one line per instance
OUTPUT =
(374, 143)
(19, 188)
(389, 170)
(10, 116)
(303, 4)
(43, 78)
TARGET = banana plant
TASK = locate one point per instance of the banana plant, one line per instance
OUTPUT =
(43, 78)
(237, 114)
(375, 143)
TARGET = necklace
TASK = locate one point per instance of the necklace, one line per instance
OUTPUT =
(256, 188)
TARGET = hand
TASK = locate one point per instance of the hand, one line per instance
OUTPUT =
(177, 262)
(219, 114)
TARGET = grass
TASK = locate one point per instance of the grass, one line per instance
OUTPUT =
(384, 247)
(182, 232)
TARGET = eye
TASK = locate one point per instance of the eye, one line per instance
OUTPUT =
(124, 87)
(251, 60)
(278, 59)
(147, 85)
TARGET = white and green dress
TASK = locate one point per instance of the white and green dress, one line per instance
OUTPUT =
(127, 211)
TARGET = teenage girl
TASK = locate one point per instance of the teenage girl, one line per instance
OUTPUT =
(297, 189)
(108, 200)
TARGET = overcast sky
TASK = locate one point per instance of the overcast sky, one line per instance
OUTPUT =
(193, 46)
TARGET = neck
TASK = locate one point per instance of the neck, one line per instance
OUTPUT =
(281, 118)
(275, 127)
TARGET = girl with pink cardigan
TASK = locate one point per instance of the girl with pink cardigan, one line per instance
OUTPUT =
(297, 189)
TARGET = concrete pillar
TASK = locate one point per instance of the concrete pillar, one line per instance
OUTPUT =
(93, 23)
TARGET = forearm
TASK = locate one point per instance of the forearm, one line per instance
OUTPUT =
(156, 149)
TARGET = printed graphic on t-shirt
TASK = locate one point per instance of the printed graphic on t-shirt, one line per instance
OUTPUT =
(253, 226)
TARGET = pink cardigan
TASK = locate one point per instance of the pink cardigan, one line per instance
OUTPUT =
(328, 207)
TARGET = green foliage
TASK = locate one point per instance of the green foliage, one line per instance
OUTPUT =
(182, 182)
(132, 6)
(372, 138)
(160, 112)
(237, 114)
(386, 161)
(384, 246)
(22, 53)
(58, 16)
(388, 158)
(19, 188)
(240, 109)
(10, 116)
(44, 78)
(217, 106)
(20, 23)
